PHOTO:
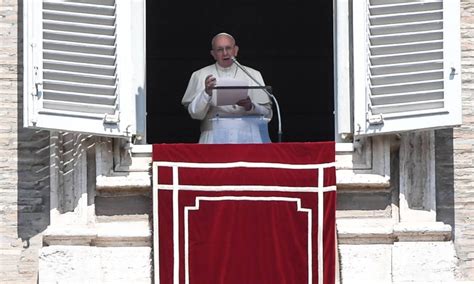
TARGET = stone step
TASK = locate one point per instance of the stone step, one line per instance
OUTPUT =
(110, 234)
(124, 184)
(388, 231)
(123, 208)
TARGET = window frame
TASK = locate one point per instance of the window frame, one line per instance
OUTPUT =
(128, 118)
(451, 114)
(350, 99)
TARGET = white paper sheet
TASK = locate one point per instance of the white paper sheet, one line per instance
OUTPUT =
(222, 97)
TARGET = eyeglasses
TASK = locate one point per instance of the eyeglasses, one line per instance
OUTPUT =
(224, 48)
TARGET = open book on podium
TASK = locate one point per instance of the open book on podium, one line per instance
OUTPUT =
(229, 91)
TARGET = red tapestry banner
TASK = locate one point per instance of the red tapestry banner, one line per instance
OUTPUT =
(244, 213)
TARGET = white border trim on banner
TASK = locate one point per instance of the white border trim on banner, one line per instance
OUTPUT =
(176, 187)
(320, 226)
(246, 198)
(218, 188)
(244, 165)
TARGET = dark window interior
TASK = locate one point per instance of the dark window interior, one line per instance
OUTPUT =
(290, 42)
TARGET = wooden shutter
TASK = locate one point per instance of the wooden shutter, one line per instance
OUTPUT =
(77, 77)
(406, 65)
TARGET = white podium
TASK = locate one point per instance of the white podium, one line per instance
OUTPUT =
(236, 130)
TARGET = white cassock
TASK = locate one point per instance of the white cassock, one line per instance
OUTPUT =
(231, 123)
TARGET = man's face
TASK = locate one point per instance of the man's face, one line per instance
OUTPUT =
(223, 50)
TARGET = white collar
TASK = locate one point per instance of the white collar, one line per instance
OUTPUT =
(230, 71)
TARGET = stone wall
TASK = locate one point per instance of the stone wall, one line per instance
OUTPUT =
(455, 158)
(24, 162)
(464, 150)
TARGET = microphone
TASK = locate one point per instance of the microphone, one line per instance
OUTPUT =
(280, 132)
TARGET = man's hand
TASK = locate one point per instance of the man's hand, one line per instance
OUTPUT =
(246, 103)
(209, 84)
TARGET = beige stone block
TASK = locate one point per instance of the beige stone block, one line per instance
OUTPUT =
(424, 261)
(13, 3)
(83, 264)
(9, 57)
(365, 263)
(10, 68)
(9, 98)
(9, 85)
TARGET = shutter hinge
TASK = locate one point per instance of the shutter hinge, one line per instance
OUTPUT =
(375, 119)
(112, 118)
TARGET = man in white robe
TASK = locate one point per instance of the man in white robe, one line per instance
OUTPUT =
(244, 122)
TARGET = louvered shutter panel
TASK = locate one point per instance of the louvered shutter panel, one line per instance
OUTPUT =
(406, 65)
(74, 80)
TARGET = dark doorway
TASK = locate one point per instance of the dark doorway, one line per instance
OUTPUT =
(290, 42)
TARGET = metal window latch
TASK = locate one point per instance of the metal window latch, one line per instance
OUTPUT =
(38, 89)
(38, 84)
(453, 71)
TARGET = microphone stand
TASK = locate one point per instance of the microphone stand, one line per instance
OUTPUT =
(280, 132)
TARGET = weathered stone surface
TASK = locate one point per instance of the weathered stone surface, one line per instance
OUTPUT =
(463, 149)
(455, 158)
(83, 264)
(365, 263)
(424, 262)
(24, 169)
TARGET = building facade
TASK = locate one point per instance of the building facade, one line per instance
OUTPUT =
(76, 205)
